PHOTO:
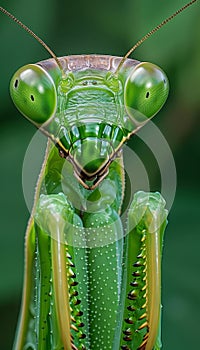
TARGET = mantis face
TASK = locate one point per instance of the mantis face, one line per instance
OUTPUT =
(91, 111)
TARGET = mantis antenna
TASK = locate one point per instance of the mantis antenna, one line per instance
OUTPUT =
(144, 38)
(153, 31)
(28, 30)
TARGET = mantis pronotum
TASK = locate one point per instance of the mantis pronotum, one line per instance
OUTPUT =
(89, 282)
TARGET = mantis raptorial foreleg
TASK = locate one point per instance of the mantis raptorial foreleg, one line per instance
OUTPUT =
(146, 224)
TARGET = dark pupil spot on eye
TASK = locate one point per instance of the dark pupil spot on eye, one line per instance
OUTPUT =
(32, 98)
(147, 94)
(16, 83)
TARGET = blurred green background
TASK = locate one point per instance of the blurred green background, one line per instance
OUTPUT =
(110, 27)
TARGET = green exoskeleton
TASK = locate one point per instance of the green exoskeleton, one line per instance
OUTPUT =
(91, 280)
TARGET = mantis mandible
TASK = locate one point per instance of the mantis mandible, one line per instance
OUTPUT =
(89, 282)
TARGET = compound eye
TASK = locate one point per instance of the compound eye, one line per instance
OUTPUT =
(34, 93)
(146, 91)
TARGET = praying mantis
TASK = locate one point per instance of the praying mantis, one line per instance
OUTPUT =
(91, 280)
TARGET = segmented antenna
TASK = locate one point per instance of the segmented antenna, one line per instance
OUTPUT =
(29, 31)
(153, 31)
